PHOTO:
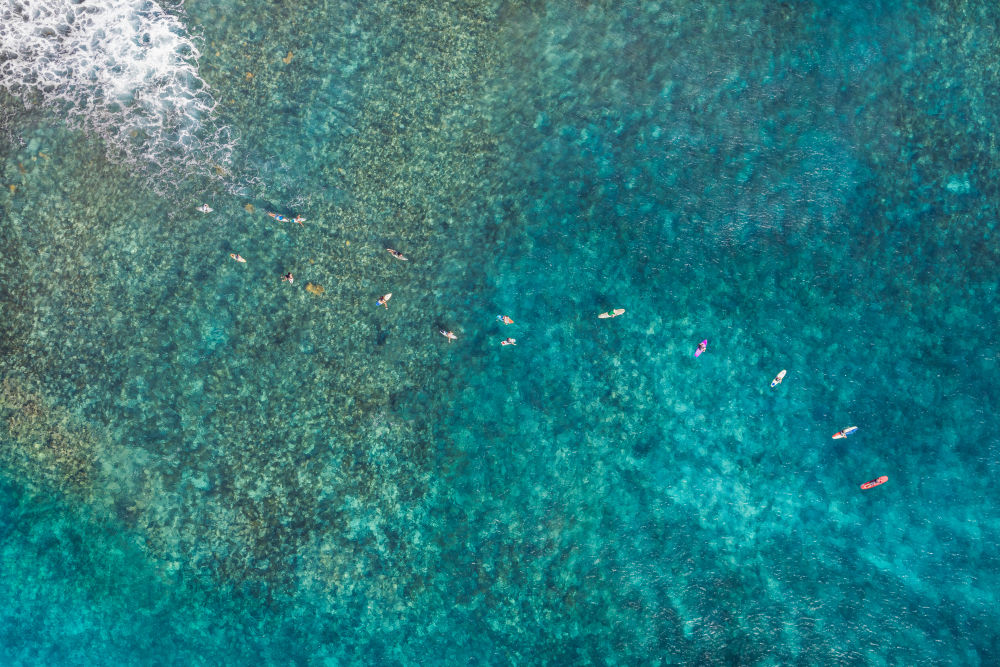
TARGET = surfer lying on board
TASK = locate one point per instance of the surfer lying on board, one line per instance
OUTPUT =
(846, 432)
(281, 218)
(875, 482)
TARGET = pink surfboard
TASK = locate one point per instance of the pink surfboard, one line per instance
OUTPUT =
(875, 482)
(702, 346)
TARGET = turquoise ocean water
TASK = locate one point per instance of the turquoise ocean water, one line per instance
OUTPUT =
(201, 464)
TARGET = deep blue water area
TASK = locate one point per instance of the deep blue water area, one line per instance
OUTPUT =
(201, 463)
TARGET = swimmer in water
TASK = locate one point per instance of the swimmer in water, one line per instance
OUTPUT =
(396, 254)
(236, 256)
(449, 335)
(205, 208)
(288, 277)
(277, 216)
(384, 300)
(505, 319)
(508, 341)
(299, 219)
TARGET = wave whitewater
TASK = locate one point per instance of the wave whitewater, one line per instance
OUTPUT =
(125, 70)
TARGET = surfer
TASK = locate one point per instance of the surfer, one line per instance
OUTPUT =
(205, 208)
(236, 256)
(846, 432)
(505, 319)
(384, 300)
(288, 277)
(702, 346)
(778, 378)
(875, 482)
(508, 341)
(614, 313)
(449, 335)
(299, 219)
(277, 216)
(396, 254)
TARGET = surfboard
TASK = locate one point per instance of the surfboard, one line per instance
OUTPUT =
(702, 346)
(846, 432)
(614, 313)
(875, 482)
(777, 380)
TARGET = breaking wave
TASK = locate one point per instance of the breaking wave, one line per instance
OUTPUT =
(125, 70)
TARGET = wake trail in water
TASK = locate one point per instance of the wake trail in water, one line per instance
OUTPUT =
(125, 70)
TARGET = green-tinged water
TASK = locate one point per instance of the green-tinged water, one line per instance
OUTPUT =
(203, 464)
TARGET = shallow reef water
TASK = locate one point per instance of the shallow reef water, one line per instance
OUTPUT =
(203, 464)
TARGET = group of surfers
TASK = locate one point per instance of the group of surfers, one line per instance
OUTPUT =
(450, 335)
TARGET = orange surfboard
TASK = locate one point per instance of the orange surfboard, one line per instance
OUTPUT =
(875, 482)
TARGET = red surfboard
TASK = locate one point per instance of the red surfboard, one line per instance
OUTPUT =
(875, 482)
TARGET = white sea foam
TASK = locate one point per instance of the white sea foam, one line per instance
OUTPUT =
(123, 69)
